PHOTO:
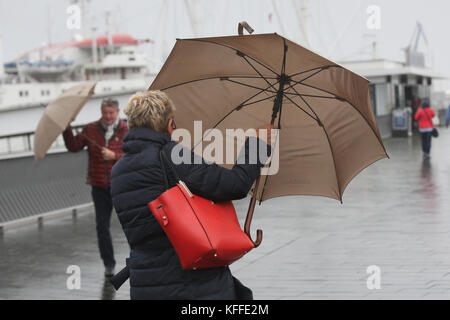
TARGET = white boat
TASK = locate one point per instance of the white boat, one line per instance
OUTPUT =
(40, 75)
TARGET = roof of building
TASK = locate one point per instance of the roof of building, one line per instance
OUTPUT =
(383, 67)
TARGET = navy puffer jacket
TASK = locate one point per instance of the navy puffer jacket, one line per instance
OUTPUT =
(154, 268)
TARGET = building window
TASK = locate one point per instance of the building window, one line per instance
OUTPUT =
(397, 96)
(382, 105)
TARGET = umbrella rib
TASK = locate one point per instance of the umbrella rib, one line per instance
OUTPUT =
(257, 71)
(351, 104)
(331, 147)
(242, 104)
(314, 87)
(298, 106)
(323, 68)
(312, 110)
(304, 79)
(230, 47)
(311, 75)
(248, 85)
(310, 95)
(263, 65)
(250, 103)
(211, 78)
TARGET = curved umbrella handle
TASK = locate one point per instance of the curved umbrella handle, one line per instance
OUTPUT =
(245, 25)
(248, 220)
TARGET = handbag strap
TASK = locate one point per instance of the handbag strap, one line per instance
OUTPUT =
(163, 158)
(426, 113)
(164, 162)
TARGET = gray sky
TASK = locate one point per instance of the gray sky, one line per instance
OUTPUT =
(337, 28)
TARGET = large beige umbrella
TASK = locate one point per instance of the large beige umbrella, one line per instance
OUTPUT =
(59, 114)
(328, 132)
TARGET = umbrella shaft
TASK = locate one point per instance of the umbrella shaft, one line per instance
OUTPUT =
(283, 80)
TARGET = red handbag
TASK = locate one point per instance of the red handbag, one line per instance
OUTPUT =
(204, 234)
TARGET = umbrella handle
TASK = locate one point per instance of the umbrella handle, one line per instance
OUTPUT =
(91, 141)
(245, 25)
(248, 220)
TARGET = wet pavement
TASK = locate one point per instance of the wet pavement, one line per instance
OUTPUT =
(395, 218)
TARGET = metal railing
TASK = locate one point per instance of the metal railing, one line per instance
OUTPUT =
(16, 144)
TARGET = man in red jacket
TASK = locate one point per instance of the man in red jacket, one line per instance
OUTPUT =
(103, 139)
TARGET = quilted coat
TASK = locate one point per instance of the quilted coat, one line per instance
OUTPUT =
(153, 266)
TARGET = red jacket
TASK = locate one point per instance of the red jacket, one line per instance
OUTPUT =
(424, 120)
(93, 136)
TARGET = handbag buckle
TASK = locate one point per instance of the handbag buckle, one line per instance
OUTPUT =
(186, 188)
(164, 216)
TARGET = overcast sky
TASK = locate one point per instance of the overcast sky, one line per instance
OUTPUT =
(337, 29)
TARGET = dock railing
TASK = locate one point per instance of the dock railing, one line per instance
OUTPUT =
(21, 144)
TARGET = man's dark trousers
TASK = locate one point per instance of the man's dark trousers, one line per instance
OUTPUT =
(103, 208)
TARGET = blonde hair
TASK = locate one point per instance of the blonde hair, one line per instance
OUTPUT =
(150, 109)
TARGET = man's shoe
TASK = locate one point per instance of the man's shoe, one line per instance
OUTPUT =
(109, 271)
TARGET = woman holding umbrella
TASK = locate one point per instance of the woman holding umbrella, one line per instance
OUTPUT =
(327, 135)
(153, 266)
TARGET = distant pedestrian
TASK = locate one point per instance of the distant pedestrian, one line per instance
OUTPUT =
(425, 115)
(447, 117)
(103, 139)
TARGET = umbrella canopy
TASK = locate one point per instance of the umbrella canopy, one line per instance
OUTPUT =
(328, 132)
(58, 115)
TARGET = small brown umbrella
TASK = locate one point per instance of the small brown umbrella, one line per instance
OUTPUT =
(59, 114)
(328, 132)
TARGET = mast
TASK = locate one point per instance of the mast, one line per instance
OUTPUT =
(94, 51)
(2, 69)
(279, 19)
(303, 18)
(108, 30)
(49, 25)
(195, 11)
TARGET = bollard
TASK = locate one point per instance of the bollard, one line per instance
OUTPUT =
(74, 214)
